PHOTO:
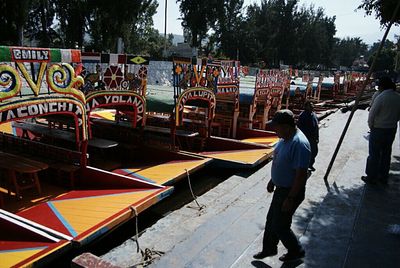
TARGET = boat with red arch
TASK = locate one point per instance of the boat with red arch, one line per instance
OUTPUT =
(44, 155)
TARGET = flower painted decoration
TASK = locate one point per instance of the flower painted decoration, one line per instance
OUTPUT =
(113, 77)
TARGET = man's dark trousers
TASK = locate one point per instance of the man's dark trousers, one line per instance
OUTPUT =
(278, 223)
(314, 151)
(380, 153)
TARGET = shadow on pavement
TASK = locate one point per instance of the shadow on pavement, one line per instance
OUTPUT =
(351, 227)
(260, 264)
(292, 264)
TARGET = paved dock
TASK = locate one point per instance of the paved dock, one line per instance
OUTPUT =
(341, 223)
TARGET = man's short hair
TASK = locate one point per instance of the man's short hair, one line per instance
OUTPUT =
(308, 102)
(385, 82)
(283, 117)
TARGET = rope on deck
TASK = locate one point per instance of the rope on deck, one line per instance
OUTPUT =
(200, 207)
(133, 209)
(148, 255)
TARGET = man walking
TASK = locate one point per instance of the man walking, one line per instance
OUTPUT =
(308, 124)
(382, 121)
(289, 175)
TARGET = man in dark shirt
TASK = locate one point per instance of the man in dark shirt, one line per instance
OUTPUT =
(308, 124)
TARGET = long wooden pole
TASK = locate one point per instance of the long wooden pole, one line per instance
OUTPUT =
(360, 93)
(165, 28)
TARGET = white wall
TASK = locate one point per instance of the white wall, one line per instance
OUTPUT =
(160, 73)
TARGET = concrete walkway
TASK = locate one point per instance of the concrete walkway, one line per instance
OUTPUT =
(342, 223)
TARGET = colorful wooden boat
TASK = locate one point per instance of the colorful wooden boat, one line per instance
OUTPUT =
(118, 112)
(195, 104)
(257, 105)
(312, 91)
(101, 201)
(25, 243)
(109, 201)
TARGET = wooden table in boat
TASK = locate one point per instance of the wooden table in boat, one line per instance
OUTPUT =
(60, 120)
(185, 120)
(44, 130)
(63, 134)
(13, 163)
(102, 143)
(179, 132)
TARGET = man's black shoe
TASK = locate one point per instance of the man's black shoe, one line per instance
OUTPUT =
(263, 254)
(292, 256)
(366, 179)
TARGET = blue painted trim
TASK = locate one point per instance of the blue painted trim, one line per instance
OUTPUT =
(22, 249)
(137, 175)
(62, 219)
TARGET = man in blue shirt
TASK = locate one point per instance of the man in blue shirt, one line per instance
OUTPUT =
(308, 124)
(289, 174)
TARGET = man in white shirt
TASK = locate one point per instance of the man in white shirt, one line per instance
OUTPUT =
(382, 121)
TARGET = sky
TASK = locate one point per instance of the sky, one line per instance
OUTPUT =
(349, 22)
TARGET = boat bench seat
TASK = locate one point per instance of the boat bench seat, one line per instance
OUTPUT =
(66, 169)
(63, 161)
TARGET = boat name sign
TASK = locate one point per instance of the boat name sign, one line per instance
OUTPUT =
(195, 94)
(37, 109)
(117, 99)
(30, 54)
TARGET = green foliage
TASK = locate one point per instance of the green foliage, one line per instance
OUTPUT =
(39, 24)
(96, 24)
(386, 59)
(347, 50)
(197, 17)
(278, 31)
(227, 26)
(383, 9)
(269, 33)
(126, 19)
(13, 18)
(73, 18)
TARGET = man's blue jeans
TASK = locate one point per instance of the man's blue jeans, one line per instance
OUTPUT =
(380, 153)
(278, 223)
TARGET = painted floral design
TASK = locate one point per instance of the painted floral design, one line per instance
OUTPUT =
(113, 77)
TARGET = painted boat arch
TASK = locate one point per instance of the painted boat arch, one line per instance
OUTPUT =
(118, 98)
(222, 80)
(202, 94)
(227, 95)
(42, 106)
(52, 64)
(166, 166)
(25, 95)
(38, 85)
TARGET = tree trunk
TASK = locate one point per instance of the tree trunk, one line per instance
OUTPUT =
(20, 30)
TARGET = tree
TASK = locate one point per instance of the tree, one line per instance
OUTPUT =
(227, 27)
(39, 26)
(144, 39)
(348, 49)
(386, 59)
(108, 21)
(197, 18)
(383, 9)
(13, 19)
(278, 31)
(73, 19)
(397, 57)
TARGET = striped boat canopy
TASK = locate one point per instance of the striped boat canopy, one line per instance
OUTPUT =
(33, 54)
(110, 58)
